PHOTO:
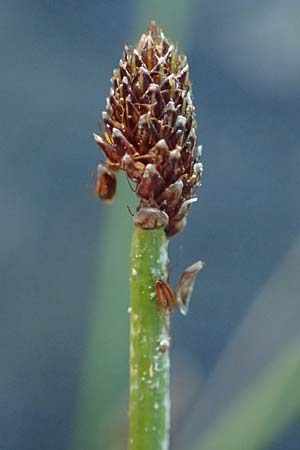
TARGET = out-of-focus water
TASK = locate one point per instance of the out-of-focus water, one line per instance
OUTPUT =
(56, 61)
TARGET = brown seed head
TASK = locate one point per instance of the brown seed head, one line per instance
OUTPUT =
(150, 129)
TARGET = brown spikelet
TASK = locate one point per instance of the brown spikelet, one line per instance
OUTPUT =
(150, 131)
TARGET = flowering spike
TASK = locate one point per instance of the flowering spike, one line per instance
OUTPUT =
(150, 130)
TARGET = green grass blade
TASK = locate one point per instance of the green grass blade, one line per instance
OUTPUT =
(262, 411)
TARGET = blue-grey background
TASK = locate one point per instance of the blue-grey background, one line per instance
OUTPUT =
(56, 62)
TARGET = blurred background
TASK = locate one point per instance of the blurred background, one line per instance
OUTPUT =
(64, 255)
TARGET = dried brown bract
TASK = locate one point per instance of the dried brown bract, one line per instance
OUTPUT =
(150, 218)
(150, 129)
(165, 296)
(186, 285)
(106, 184)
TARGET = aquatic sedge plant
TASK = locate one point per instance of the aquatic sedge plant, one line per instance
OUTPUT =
(150, 135)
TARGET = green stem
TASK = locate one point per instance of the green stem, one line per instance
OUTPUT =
(149, 344)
